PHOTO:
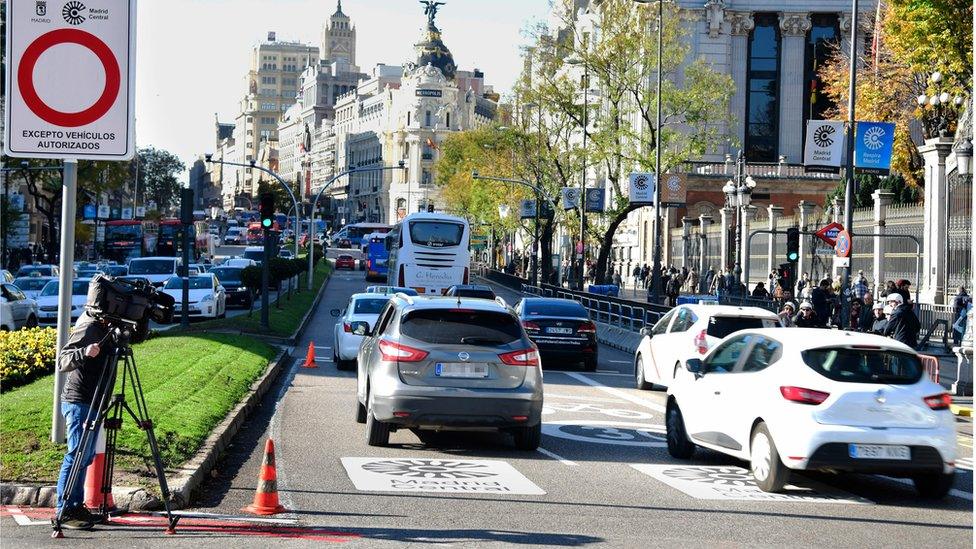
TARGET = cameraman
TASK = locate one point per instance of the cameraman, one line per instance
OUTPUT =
(83, 359)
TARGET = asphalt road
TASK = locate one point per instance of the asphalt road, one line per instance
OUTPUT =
(602, 477)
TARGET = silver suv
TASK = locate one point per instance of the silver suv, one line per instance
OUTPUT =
(449, 364)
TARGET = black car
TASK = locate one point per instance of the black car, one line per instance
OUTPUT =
(562, 330)
(237, 294)
(479, 291)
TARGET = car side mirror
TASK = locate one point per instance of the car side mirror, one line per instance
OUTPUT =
(336, 313)
(647, 331)
(694, 365)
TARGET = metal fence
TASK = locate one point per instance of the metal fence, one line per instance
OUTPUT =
(960, 227)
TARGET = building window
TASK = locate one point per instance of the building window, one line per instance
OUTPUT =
(425, 177)
(821, 43)
(427, 119)
(448, 122)
(408, 118)
(762, 85)
(427, 153)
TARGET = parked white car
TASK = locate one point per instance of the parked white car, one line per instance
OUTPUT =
(207, 297)
(356, 320)
(47, 301)
(16, 309)
(32, 285)
(814, 399)
(239, 262)
(157, 269)
(689, 331)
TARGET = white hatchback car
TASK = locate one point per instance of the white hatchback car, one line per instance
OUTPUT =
(689, 331)
(812, 399)
(47, 301)
(16, 309)
(356, 321)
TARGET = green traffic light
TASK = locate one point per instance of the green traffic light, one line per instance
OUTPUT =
(792, 256)
(266, 222)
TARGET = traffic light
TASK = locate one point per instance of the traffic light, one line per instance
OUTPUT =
(186, 206)
(793, 244)
(267, 210)
(785, 273)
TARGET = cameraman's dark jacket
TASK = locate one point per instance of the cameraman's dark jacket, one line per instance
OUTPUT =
(83, 372)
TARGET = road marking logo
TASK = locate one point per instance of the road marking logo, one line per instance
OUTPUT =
(615, 433)
(736, 483)
(437, 475)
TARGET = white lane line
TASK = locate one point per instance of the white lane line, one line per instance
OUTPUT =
(322, 347)
(584, 398)
(556, 457)
(616, 392)
(23, 520)
(329, 360)
(230, 518)
(952, 492)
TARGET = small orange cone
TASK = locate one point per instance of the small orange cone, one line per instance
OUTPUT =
(310, 356)
(266, 498)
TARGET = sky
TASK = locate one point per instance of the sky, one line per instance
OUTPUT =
(192, 55)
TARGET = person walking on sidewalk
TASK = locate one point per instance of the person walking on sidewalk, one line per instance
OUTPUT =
(902, 325)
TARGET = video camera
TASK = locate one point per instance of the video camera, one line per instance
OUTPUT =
(128, 301)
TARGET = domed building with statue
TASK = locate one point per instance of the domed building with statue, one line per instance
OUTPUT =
(404, 113)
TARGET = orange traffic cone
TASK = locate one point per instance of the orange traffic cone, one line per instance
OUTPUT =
(266, 498)
(310, 356)
(94, 498)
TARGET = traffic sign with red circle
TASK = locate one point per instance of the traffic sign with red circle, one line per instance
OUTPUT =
(70, 81)
(843, 246)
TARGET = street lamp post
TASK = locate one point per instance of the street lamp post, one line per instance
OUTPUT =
(738, 194)
(272, 173)
(539, 192)
(582, 205)
(401, 165)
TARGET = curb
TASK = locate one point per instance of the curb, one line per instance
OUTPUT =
(188, 477)
(293, 338)
(964, 411)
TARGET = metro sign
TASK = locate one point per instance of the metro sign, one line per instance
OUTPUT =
(829, 233)
(70, 77)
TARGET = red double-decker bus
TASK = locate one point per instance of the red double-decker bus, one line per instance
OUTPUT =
(169, 243)
(128, 238)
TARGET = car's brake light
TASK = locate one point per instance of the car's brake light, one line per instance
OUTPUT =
(394, 352)
(523, 357)
(701, 343)
(803, 396)
(940, 401)
(530, 326)
(587, 328)
(347, 327)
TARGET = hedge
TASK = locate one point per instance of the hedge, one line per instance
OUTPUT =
(26, 355)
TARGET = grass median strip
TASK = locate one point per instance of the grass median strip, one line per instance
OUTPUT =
(191, 382)
(283, 321)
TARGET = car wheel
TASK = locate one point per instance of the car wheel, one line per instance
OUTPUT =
(679, 445)
(641, 381)
(528, 438)
(31, 322)
(589, 364)
(764, 462)
(934, 485)
(377, 432)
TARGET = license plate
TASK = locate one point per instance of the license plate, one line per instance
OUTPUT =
(559, 330)
(879, 451)
(463, 370)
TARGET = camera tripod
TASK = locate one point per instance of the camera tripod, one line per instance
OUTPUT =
(108, 409)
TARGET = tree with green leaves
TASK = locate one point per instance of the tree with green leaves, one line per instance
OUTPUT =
(618, 50)
(157, 172)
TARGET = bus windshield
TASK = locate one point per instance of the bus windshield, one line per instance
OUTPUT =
(122, 233)
(436, 234)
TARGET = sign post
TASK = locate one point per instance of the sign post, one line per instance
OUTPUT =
(70, 87)
(824, 148)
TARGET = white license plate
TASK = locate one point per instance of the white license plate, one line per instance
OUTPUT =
(559, 330)
(448, 369)
(879, 451)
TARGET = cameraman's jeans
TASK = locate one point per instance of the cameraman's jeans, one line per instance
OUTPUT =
(74, 414)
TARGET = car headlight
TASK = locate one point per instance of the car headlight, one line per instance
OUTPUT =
(207, 298)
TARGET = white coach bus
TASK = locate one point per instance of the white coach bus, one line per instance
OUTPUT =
(429, 253)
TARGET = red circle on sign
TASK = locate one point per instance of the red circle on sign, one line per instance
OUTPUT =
(843, 246)
(25, 77)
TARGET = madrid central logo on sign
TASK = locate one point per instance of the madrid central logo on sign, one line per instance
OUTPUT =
(70, 76)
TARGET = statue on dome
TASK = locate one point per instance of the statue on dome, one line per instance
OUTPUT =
(430, 9)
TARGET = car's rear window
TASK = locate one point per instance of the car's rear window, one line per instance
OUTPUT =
(864, 365)
(369, 306)
(555, 308)
(460, 327)
(479, 294)
(722, 326)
